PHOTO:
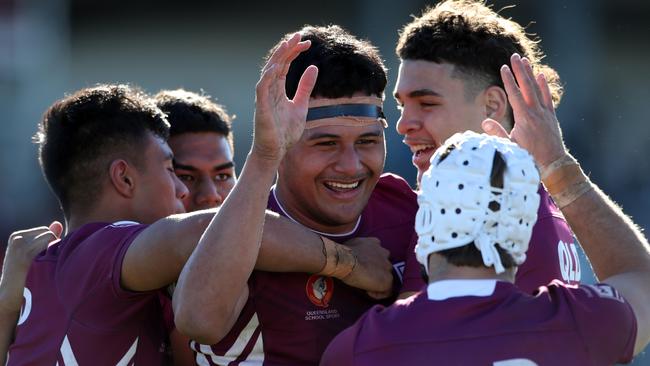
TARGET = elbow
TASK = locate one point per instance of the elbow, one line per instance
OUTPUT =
(199, 326)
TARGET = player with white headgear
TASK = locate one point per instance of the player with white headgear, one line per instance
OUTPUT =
(477, 206)
(467, 198)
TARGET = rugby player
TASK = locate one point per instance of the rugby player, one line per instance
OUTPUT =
(477, 205)
(105, 262)
(331, 182)
(449, 82)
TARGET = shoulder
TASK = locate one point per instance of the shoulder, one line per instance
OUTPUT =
(395, 191)
(101, 235)
(394, 184)
(605, 320)
(602, 301)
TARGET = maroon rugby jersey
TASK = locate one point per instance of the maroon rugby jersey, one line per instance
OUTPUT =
(77, 313)
(290, 318)
(551, 255)
(489, 322)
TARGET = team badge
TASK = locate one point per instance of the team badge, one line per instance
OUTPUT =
(319, 290)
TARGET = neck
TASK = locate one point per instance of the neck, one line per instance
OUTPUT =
(440, 269)
(106, 210)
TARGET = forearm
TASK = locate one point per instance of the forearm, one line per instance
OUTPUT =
(211, 284)
(289, 247)
(612, 242)
(11, 296)
(618, 252)
(7, 326)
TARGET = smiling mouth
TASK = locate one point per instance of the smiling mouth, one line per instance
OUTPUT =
(342, 187)
(423, 148)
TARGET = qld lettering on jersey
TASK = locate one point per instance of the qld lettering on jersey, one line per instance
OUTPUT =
(569, 261)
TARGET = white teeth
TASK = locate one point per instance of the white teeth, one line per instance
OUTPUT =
(417, 148)
(343, 185)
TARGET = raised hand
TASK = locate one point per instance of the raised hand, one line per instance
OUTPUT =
(373, 271)
(279, 122)
(22, 247)
(536, 127)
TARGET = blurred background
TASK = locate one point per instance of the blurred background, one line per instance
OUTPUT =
(51, 47)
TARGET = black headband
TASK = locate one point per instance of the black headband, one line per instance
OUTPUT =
(345, 110)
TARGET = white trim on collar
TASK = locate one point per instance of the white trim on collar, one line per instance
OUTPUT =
(446, 289)
(310, 229)
(124, 223)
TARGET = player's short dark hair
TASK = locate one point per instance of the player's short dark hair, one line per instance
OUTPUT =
(191, 112)
(468, 255)
(476, 40)
(346, 64)
(81, 134)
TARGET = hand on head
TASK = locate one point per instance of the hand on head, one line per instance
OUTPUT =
(279, 121)
(536, 127)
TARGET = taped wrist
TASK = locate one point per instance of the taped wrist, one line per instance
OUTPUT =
(565, 181)
(340, 261)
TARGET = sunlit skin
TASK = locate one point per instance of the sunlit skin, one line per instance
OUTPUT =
(203, 161)
(434, 105)
(326, 179)
(159, 192)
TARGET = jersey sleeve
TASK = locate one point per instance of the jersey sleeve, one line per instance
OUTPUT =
(552, 252)
(94, 266)
(604, 319)
(412, 280)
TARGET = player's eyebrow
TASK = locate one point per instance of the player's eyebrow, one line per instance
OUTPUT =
(317, 136)
(372, 134)
(419, 93)
(227, 165)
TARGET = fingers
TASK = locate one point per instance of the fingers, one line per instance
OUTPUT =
(275, 57)
(291, 55)
(278, 66)
(35, 234)
(515, 97)
(547, 99)
(305, 86)
(494, 128)
(29, 233)
(530, 86)
(287, 52)
(56, 228)
(262, 87)
(524, 80)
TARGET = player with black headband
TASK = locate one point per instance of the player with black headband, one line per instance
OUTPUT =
(331, 182)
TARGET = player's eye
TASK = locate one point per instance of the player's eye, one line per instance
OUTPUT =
(185, 177)
(221, 177)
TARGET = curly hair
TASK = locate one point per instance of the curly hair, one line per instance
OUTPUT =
(346, 64)
(476, 40)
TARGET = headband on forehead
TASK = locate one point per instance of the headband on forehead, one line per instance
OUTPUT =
(351, 112)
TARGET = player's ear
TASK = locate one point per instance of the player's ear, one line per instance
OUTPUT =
(121, 177)
(496, 103)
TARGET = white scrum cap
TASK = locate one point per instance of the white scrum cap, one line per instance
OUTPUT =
(456, 195)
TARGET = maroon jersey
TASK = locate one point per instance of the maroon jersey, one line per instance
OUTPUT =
(488, 322)
(76, 311)
(551, 255)
(290, 318)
